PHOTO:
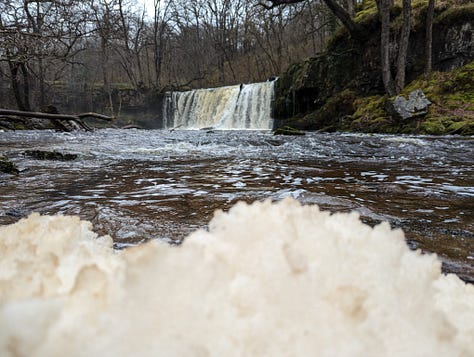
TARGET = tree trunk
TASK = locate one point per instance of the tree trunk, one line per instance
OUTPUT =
(429, 38)
(42, 89)
(345, 19)
(384, 12)
(63, 122)
(15, 85)
(403, 47)
(343, 15)
(26, 86)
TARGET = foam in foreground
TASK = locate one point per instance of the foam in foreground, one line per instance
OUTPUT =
(266, 280)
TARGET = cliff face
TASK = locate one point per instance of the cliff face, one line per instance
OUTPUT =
(324, 92)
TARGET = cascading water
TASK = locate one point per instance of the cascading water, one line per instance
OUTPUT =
(245, 106)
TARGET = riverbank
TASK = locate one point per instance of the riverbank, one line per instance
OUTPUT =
(342, 89)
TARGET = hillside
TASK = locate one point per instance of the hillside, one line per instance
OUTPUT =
(342, 89)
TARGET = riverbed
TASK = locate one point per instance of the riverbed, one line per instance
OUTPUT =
(138, 185)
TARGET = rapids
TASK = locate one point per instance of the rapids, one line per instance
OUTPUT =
(161, 185)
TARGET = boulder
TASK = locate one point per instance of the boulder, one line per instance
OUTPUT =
(417, 104)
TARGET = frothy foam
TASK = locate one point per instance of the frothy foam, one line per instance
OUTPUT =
(266, 280)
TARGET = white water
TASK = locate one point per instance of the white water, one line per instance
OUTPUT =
(246, 106)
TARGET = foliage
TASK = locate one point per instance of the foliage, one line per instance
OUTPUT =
(181, 44)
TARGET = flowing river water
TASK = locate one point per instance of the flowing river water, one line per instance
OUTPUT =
(138, 185)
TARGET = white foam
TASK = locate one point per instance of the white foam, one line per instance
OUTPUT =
(266, 280)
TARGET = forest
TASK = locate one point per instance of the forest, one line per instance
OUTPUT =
(78, 47)
(104, 55)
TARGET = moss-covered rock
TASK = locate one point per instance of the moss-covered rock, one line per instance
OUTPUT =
(370, 116)
(331, 115)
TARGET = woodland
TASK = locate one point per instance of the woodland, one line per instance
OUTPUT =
(108, 54)
(78, 46)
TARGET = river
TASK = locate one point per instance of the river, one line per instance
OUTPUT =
(138, 185)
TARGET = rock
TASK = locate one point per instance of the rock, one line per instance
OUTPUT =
(131, 126)
(288, 130)
(50, 155)
(416, 105)
(7, 166)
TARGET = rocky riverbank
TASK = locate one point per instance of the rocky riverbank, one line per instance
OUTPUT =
(342, 89)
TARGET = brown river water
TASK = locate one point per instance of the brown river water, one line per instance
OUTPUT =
(138, 185)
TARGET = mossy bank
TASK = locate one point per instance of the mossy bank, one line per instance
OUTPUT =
(342, 89)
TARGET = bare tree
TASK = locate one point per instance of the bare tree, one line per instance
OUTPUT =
(105, 25)
(393, 87)
(384, 13)
(338, 10)
(403, 47)
(161, 19)
(429, 37)
(34, 38)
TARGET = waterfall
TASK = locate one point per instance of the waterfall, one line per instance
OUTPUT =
(245, 106)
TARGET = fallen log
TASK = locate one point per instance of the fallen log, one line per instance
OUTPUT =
(59, 120)
(41, 115)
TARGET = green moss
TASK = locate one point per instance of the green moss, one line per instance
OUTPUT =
(434, 127)
(453, 96)
(455, 14)
(367, 10)
(371, 107)
(330, 116)
(463, 127)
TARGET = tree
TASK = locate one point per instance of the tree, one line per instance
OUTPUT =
(384, 13)
(105, 26)
(342, 14)
(35, 35)
(392, 87)
(161, 18)
(403, 47)
(429, 37)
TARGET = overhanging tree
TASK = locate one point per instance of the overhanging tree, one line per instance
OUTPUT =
(340, 12)
(392, 86)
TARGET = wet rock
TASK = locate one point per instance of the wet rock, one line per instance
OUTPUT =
(413, 245)
(131, 126)
(17, 212)
(50, 155)
(416, 105)
(7, 167)
(288, 130)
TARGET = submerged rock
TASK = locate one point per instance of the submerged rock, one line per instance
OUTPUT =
(288, 130)
(416, 105)
(7, 167)
(50, 155)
